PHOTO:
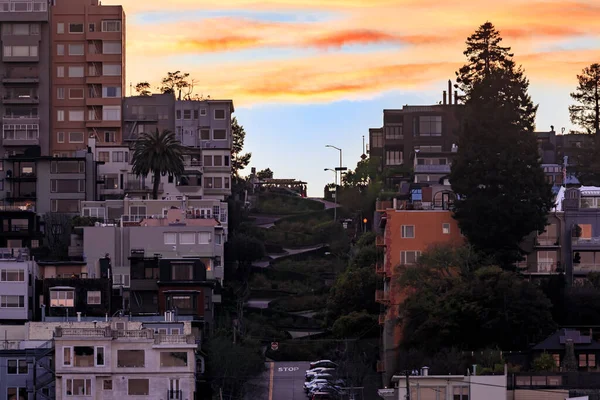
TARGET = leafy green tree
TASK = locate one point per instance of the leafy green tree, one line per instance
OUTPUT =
(239, 160)
(265, 174)
(159, 154)
(544, 362)
(485, 308)
(143, 89)
(177, 82)
(586, 112)
(354, 289)
(366, 171)
(502, 192)
(355, 324)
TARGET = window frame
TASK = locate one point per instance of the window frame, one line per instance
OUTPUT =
(71, 24)
(446, 228)
(405, 231)
(94, 294)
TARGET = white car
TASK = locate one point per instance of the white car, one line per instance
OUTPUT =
(314, 383)
(320, 370)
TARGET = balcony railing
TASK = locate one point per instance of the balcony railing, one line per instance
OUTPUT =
(174, 394)
(139, 186)
(382, 296)
(547, 241)
(593, 241)
(585, 268)
(23, 6)
(106, 332)
(438, 169)
(174, 339)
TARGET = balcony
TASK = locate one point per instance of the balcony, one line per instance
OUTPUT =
(432, 169)
(214, 191)
(21, 138)
(13, 98)
(23, 177)
(142, 187)
(27, 119)
(20, 6)
(143, 117)
(547, 241)
(382, 296)
(380, 268)
(381, 205)
(578, 242)
(103, 123)
(21, 75)
(175, 339)
(586, 268)
(380, 241)
(12, 197)
(174, 395)
(221, 169)
(540, 267)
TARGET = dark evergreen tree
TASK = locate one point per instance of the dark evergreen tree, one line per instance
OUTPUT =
(585, 113)
(239, 160)
(497, 175)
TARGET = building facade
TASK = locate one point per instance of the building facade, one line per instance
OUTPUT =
(88, 74)
(16, 286)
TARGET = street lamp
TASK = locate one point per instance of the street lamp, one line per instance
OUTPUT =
(338, 149)
(335, 198)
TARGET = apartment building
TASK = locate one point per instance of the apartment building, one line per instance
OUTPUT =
(26, 79)
(26, 370)
(88, 74)
(146, 114)
(119, 361)
(16, 285)
(546, 255)
(408, 228)
(413, 129)
(20, 228)
(446, 387)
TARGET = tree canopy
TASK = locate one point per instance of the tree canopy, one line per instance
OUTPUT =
(497, 176)
(585, 113)
(143, 88)
(178, 83)
(265, 174)
(159, 154)
(239, 160)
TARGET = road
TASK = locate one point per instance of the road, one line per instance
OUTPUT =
(285, 381)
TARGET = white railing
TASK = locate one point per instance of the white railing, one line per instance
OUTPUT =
(23, 6)
(445, 168)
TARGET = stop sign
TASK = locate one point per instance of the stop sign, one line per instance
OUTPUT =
(274, 346)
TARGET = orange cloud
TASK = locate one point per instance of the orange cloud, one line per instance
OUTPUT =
(358, 36)
(217, 44)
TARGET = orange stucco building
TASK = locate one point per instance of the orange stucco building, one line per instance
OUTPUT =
(408, 230)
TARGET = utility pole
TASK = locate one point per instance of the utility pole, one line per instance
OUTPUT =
(407, 374)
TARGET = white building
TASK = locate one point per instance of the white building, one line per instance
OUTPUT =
(116, 361)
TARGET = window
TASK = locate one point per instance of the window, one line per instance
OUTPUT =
(409, 257)
(173, 359)
(203, 112)
(20, 51)
(556, 358)
(393, 132)
(587, 360)
(130, 359)
(393, 157)
(170, 238)
(62, 298)
(99, 352)
(121, 156)
(178, 114)
(204, 238)
(92, 27)
(111, 26)
(446, 229)
(218, 161)
(60, 72)
(195, 114)
(60, 27)
(12, 301)
(138, 387)
(12, 275)
(107, 384)
(75, 28)
(226, 161)
(79, 387)
(121, 279)
(60, 115)
(111, 69)
(460, 393)
(76, 116)
(111, 113)
(60, 49)
(217, 183)
(226, 186)
(187, 238)
(76, 72)
(217, 239)
(204, 134)
(109, 137)
(408, 231)
(104, 156)
(76, 93)
(60, 93)
(111, 47)
(67, 356)
(181, 302)
(219, 114)
(208, 183)
(219, 134)
(187, 114)
(182, 271)
(17, 367)
(75, 137)
(94, 297)
(430, 125)
(111, 91)
(16, 393)
(76, 50)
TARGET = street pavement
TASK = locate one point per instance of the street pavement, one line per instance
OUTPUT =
(284, 381)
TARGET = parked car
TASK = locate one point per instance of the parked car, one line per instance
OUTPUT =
(314, 383)
(320, 370)
(323, 364)
(324, 396)
(326, 388)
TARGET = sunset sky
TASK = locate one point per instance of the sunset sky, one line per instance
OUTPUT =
(306, 73)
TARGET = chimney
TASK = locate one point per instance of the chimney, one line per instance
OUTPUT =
(444, 102)
(455, 97)
(474, 369)
(425, 371)
(78, 316)
(449, 92)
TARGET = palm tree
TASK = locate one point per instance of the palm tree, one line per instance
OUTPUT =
(159, 153)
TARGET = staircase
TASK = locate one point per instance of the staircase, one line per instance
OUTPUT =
(43, 370)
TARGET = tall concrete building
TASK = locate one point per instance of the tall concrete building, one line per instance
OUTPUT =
(25, 76)
(88, 74)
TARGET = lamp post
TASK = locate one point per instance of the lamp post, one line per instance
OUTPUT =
(335, 195)
(340, 150)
